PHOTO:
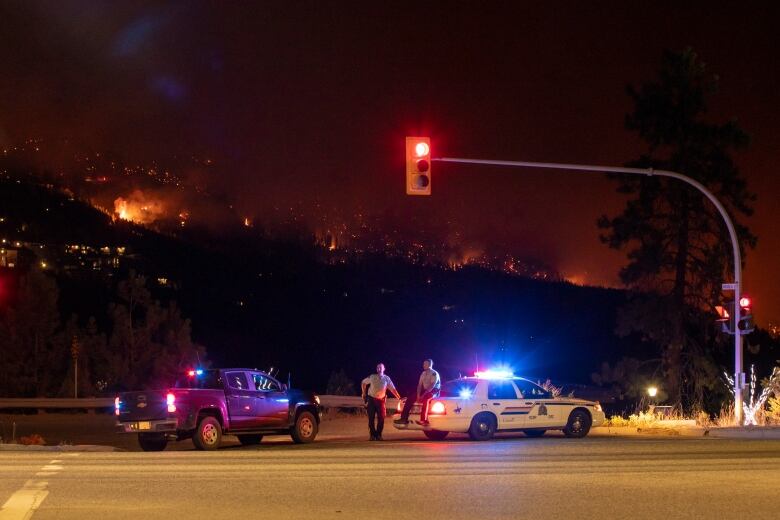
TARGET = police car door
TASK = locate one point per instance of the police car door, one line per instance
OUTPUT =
(542, 412)
(503, 401)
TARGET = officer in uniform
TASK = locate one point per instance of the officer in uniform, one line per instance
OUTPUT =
(374, 389)
(428, 387)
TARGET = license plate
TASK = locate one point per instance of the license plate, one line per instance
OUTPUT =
(144, 425)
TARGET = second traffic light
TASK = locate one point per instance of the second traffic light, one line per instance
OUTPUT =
(726, 316)
(418, 166)
(745, 325)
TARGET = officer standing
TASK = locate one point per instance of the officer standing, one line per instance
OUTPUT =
(374, 389)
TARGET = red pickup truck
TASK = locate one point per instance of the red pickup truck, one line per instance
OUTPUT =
(205, 404)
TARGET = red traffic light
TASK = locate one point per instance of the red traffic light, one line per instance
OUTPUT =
(422, 149)
(418, 166)
(745, 302)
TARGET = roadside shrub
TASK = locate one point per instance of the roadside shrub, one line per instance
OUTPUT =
(32, 440)
(616, 421)
(773, 413)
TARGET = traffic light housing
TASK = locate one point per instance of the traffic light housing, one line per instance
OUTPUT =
(726, 317)
(418, 166)
(746, 325)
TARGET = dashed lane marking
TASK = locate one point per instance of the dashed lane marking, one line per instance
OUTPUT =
(23, 503)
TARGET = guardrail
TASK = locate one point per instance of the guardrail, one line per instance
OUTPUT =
(42, 403)
(56, 403)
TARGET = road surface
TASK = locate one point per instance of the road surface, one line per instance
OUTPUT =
(512, 478)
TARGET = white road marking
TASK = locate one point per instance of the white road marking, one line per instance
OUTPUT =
(24, 502)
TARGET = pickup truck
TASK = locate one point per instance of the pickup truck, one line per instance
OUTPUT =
(205, 404)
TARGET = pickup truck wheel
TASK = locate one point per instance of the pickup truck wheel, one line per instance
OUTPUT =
(436, 435)
(208, 434)
(483, 427)
(305, 429)
(249, 440)
(578, 425)
(152, 441)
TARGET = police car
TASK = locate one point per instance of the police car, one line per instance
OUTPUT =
(498, 401)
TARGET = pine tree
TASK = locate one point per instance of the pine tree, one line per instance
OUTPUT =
(678, 248)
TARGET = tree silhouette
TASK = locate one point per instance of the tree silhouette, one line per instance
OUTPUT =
(678, 248)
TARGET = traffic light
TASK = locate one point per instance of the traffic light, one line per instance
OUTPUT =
(726, 316)
(746, 324)
(418, 166)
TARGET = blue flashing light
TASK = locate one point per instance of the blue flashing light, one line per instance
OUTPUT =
(465, 393)
(199, 372)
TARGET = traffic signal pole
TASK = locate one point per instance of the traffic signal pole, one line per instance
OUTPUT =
(739, 376)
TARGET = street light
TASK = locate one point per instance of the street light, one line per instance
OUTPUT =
(652, 391)
(736, 286)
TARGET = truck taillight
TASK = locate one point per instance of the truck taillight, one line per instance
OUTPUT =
(171, 399)
(116, 406)
(438, 408)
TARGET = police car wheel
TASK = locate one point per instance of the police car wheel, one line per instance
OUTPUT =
(436, 435)
(483, 427)
(578, 425)
(534, 433)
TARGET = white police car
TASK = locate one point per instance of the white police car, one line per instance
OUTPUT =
(495, 401)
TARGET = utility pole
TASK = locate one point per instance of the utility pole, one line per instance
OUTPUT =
(739, 376)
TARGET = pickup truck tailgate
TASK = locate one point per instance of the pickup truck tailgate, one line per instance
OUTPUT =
(142, 406)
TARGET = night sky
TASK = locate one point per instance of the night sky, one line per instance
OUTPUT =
(308, 105)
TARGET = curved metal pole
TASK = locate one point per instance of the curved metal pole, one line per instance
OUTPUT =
(650, 172)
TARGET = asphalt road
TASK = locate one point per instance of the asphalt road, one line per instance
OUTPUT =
(597, 477)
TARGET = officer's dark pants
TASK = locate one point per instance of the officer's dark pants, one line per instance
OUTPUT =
(376, 410)
(423, 400)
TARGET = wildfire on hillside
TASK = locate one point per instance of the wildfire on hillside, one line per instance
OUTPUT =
(139, 208)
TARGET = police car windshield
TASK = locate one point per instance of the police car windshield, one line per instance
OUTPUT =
(209, 379)
(458, 388)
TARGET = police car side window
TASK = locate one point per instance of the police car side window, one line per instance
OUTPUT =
(501, 390)
(532, 391)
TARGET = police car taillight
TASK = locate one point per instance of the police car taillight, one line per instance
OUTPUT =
(116, 406)
(438, 408)
(171, 399)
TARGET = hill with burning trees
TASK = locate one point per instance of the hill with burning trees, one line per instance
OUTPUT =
(141, 305)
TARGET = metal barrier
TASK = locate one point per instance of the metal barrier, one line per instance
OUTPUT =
(56, 403)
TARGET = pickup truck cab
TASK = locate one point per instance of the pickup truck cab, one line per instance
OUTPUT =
(206, 404)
